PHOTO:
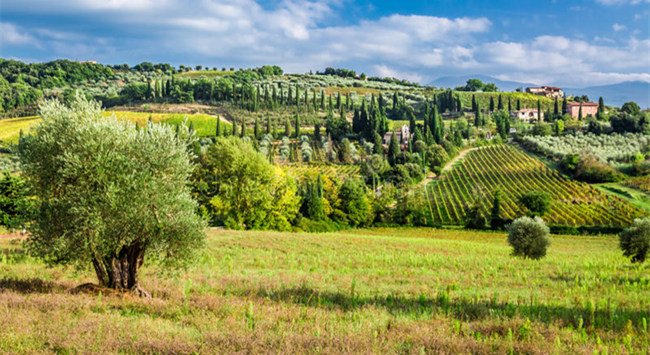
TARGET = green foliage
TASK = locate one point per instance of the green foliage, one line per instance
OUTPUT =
(109, 194)
(240, 189)
(635, 240)
(355, 203)
(631, 108)
(536, 202)
(529, 237)
(16, 206)
(474, 218)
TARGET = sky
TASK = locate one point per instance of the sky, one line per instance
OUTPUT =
(556, 42)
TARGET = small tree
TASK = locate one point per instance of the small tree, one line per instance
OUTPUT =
(109, 194)
(496, 222)
(635, 240)
(528, 237)
(536, 202)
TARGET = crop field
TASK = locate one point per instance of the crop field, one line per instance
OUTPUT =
(641, 183)
(203, 124)
(10, 128)
(514, 173)
(378, 290)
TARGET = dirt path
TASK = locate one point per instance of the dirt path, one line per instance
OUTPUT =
(460, 156)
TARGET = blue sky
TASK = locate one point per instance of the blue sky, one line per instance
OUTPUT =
(569, 43)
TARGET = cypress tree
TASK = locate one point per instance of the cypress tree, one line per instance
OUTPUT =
(339, 103)
(243, 128)
(518, 104)
(268, 124)
(395, 100)
(217, 132)
(564, 105)
(287, 128)
(459, 105)
(509, 105)
(580, 112)
(556, 108)
(412, 123)
(539, 110)
(234, 127)
(491, 103)
(474, 107)
(256, 129)
(601, 108)
(322, 100)
(297, 125)
(317, 136)
(393, 149)
(495, 217)
(378, 144)
(500, 104)
(477, 115)
(355, 122)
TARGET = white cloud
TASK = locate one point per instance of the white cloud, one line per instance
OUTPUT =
(618, 27)
(298, 35)
(622, 2)
(10, 34)
(385, 71)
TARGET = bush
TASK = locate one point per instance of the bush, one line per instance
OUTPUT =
(528, 237)
(536, 202)
(635, 241)
(592, 170)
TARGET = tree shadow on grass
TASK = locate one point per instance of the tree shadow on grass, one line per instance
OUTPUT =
(463, 308)
(26, 286)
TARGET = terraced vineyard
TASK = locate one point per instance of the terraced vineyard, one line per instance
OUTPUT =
(510, 170)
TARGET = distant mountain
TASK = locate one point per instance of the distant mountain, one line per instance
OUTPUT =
(454, 81)
(613, 94)
(617, 94)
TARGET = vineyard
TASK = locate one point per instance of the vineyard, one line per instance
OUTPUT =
(514, 173)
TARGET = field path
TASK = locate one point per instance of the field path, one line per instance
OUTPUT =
(460, 156)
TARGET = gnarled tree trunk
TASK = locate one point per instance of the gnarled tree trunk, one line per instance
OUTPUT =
(120, 271)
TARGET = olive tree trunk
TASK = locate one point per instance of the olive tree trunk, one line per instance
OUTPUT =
(120, 271)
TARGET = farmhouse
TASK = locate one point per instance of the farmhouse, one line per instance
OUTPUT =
(403, 135)
(548, 91)
(588, 109)
(527, 115)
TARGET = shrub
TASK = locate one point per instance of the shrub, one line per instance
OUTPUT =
(528, 237)
(474, 218)
(635, 241)
(592, 170)
(536, 202)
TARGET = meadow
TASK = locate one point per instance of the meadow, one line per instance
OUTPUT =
(378, 290)
(203, 124)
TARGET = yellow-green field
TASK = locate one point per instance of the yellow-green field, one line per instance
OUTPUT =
(10, 128)
(378, 290)
(204, 124)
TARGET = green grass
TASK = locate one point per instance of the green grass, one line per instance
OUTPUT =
(379, 290)
(203, 124)
(10, 128)
(633, 196)
(195, 74)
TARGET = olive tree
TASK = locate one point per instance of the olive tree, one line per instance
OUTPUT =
(635, 240)
(528, 237)
(110, 194)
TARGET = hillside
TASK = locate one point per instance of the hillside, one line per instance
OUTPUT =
(483, 171)
(384, 290)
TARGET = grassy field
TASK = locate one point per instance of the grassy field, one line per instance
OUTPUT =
(204, 124)
(379, 290)
(10, 128)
